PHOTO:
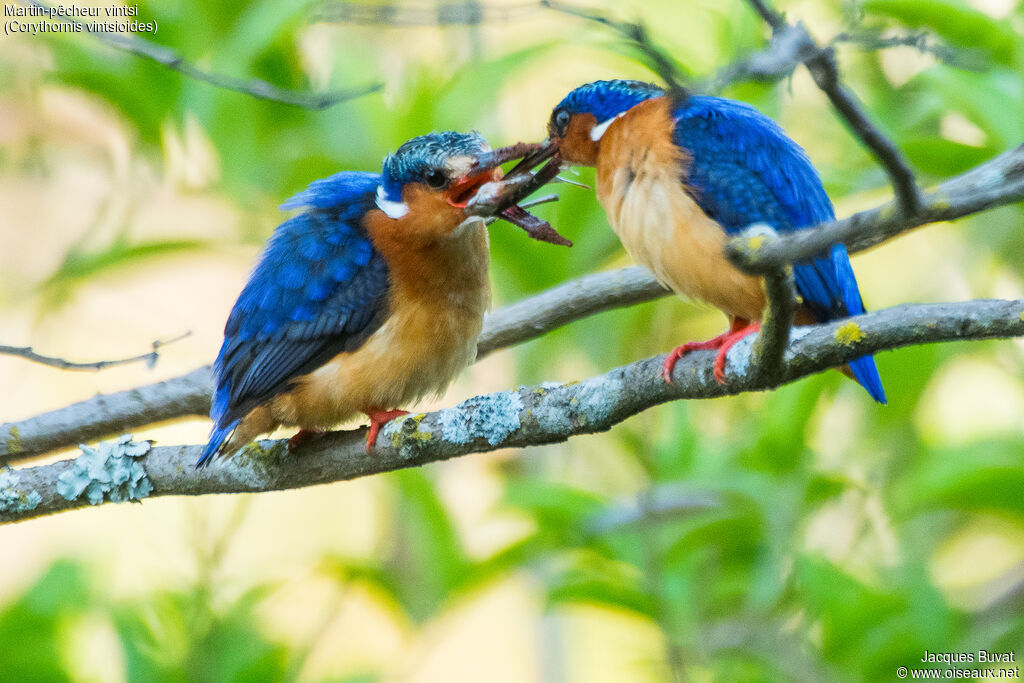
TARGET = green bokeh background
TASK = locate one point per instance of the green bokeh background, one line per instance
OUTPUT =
(802, 534)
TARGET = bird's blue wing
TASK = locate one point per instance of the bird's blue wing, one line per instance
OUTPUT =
(744, 169)
(319, 289)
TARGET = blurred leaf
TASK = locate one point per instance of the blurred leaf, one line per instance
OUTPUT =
(847, 608)
(80, 264)
(32, 627)
(990, 100)
(945, 158)
(591, 579)
(981, 476)
(180, 637)
(428, 563)
(954, 21)
(558, 509)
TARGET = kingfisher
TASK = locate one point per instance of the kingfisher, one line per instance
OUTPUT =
(679, 174)
(370, 299)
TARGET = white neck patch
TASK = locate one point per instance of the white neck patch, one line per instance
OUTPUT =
(597, 131)
(391, 208)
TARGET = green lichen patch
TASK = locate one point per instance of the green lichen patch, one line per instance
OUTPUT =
(407, 428)
(260, 459)
(110, 471)
(755, 243)
(14, 445)
(15, 499)
(849, 334)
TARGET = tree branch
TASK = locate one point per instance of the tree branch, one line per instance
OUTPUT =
(122, 411)
(527, 416)
(254, 87)
(789, 48)
(28, 353)
(778, 316)
(997, 182)
(786, 50)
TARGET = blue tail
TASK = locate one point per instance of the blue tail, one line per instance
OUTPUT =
(218, 435)
(864, 369)
(866, 373)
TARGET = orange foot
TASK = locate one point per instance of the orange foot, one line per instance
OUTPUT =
(722, 342)
(379, 418)
(302, 437)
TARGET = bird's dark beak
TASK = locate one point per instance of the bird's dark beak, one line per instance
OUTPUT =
(530, 153)
(500, 195)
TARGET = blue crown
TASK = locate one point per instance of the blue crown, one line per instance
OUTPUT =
(421, 154)
(607, 99)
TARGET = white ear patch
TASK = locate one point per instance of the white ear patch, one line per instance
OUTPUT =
(597, 131)
(390, 208)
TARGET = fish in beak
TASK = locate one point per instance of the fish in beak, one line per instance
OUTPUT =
(489, 193)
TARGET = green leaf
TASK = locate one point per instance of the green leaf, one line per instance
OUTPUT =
(944, 158)
(847, 608)
(81, 264)
(559, 509)
(980, 476)
(32, 628)
(592, 579)
(958, 24)
(428, 564)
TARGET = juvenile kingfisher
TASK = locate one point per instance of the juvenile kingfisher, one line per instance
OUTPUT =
(678, 176)
(369, 300)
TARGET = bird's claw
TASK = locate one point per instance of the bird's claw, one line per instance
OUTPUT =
(379, 418)
(722, 343)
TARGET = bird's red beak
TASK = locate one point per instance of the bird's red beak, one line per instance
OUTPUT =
(465, 188)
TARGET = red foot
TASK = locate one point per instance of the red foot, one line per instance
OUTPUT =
(302, 437)
(379, 418)
(723, 342)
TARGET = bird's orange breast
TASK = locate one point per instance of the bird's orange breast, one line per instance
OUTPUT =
(640, 183)
(438, 296)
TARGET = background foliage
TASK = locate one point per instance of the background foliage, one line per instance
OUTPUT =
(804, 534)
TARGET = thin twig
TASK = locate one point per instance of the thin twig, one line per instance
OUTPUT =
(149, 359)
(662, 503)
(768, 13)
(923, 42)
(821, 64)
(527, 416)
(660, 62)
(788, 49)
(254, 87)
(468, 13)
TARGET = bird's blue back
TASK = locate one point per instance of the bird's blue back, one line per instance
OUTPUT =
(320, 288)
(744, 169)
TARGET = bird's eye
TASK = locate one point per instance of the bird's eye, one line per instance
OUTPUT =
(435, 178)
(562, 121)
